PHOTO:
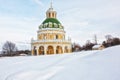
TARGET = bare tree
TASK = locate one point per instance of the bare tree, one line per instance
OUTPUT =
(108, 38)
(88, 42)
(76, 47)
(88, 45)
(9, 48)
(95, 39)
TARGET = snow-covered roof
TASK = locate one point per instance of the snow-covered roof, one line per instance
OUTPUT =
(97, 46)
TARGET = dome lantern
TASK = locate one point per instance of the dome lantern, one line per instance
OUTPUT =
(50, 12)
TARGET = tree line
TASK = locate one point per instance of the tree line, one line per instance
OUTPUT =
(110, 41)
(10, 49)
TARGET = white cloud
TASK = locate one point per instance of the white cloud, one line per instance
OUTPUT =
(17, 29)
(39, 2)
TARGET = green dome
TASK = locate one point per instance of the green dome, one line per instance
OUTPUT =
(53, 20)
(51, 23)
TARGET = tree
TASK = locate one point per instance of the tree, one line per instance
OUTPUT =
(76, 47)
(105, 44)
(95, 39)
(116, 41)
(88, 42)
(88, 45)
(9, 48)
(108, 38)
(111, 41)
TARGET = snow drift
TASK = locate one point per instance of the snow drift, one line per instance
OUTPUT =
(88, 65)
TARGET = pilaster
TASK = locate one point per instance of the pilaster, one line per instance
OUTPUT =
(37, 49)
(45, 50)
(54, 49)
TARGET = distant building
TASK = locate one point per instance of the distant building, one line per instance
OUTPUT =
(51, 37)
(98, 47)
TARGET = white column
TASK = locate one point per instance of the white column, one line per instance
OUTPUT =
(63, 49)
(32, 50)
(51, 15)
(45, 50)
(54, 49)
(37, 50)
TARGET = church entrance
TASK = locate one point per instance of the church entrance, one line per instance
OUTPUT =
(50, 50)
(41, 50)
(59, 50)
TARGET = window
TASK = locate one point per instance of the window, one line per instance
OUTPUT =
(49, 14)
(56, 36)
(52, 14)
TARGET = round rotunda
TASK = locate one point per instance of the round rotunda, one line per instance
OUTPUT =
(51, 37)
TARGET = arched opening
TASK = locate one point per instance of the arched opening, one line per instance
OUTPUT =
(41, 50)
(66, 49)
(59, 50)
(50, 50)
(52, 14)
(49, 15)
(34, 51)
(56, 36)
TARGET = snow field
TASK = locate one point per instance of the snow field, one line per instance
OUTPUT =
(86, 65)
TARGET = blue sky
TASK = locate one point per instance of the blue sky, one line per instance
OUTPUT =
(19, 19)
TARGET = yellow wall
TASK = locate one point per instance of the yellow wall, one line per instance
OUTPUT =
(50, 36)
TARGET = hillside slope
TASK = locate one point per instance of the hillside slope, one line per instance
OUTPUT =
(89, 65)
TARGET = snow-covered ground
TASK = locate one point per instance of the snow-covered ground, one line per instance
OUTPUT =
(89, 65)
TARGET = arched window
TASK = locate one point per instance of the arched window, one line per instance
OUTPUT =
(59, 50)
(49, 14)
(50, 50)
(52, 14)
(56, 36)
(41, 50)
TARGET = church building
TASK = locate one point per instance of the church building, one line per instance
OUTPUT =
(51, 37)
